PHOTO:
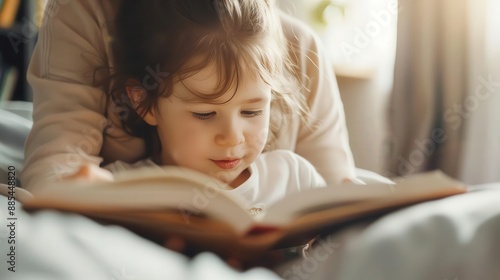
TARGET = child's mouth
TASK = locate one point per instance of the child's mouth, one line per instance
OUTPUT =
(227, 164)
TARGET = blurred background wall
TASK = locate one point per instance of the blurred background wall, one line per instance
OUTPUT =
(420, 81)
(360, 36)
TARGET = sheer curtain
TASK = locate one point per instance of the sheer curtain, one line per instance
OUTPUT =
(481, 150)
(360, 38)
(444, 110)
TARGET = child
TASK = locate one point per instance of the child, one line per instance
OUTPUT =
(73, 127)
(70, 130)
(222, 68)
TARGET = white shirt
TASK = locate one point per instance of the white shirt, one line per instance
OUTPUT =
(273, 175)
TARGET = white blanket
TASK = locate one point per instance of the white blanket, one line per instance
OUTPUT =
(15, 124)
(455, 238)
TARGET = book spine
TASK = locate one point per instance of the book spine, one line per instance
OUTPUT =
(10, 76)
(40, 11)
(8, 13)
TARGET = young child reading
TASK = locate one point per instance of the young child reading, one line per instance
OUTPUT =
(224, 86)
(73, 127)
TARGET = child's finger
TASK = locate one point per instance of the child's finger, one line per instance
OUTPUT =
(176, 244)
(91, 173)
(234, 263)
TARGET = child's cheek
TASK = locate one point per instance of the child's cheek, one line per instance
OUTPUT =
(258, 140)
(176, 156)
(262, 137)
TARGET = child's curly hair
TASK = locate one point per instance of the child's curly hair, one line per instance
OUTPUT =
(156, 38)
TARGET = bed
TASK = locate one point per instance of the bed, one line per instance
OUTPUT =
(453, 238)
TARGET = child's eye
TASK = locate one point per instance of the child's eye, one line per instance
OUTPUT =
(203, 116)
(251, 113)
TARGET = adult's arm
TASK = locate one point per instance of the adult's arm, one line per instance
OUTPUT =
(323, 140)
(68, 109)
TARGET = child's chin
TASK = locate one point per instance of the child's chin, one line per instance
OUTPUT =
(232, 178)
(223, 176)
(226, 179)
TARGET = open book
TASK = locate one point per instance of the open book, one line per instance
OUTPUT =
(179, 202)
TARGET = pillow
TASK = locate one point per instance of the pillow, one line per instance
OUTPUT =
(15, 129)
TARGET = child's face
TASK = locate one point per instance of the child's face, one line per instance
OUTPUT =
(220, 140)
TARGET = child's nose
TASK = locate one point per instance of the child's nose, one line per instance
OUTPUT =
(231, 135)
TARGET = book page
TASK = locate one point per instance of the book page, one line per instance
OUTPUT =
(431, 184)
(170, 189)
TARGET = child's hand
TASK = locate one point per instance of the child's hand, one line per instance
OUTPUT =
(91, 173)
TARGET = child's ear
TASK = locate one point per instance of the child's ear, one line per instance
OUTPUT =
(136, 95)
